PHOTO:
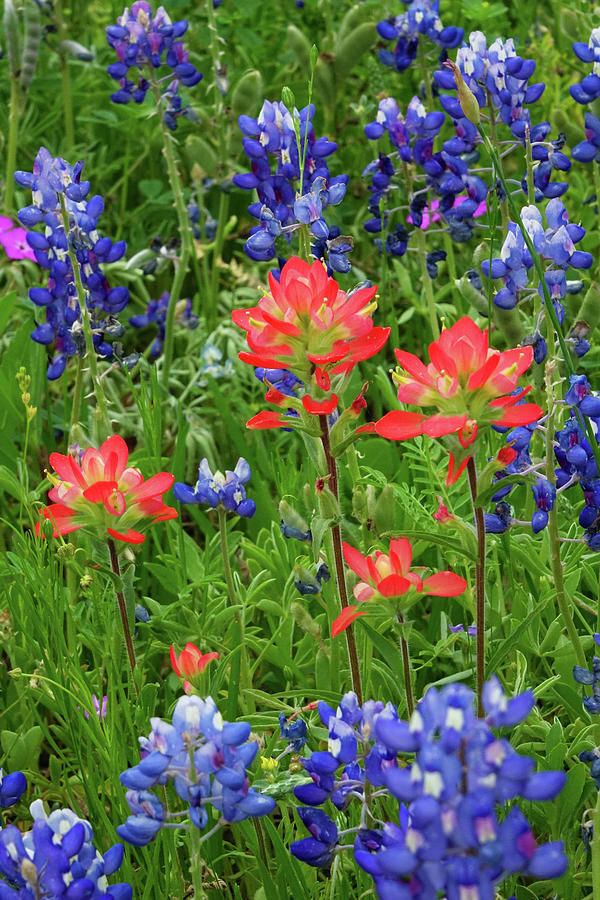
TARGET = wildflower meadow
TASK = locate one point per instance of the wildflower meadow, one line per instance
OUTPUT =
(300, 450)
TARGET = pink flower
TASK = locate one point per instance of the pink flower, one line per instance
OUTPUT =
(429, 217)
(13, 239)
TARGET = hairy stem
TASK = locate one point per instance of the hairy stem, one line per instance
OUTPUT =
(114, 562)
(410, 702)
(336, 534)
(479, 583)
(14, 115)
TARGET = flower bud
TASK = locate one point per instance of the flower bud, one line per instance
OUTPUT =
(466, 97)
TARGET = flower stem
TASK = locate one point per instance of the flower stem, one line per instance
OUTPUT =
(425, 75)
(336, 534)
(77, 392)
(596, 852)
(553, 534)
(68, 120)
(185, 234)
(529, 164)
(479, 583)
(225, 555)
(410, 702)
(114, 562)
(426, 284)
(102, 407)
(13, 136)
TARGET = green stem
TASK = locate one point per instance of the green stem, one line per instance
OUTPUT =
(426, 284)
(196, 860)
(13, 137)
(529, 164)
(479, 584)
(410, 702)
(69, 136)
(338, 555)
(596, 852)
(114, 562)
(553, 533)
(225, 556)
(549, 305)
(77, 394)
(102, 408)
(494, 136)
(425, 75)
(213, 310)
(185, 233)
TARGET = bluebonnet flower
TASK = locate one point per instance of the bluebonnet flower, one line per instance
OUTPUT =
(496, 69)
(57, 859)
(458, 629)
(588, 89)
(218, 776)
(421, 19)
(555, 244)
(307, 583)
(144, 44)
(227, 491)
(544, 494)
(431, 261)
(12, 787)
(211, 357)
(589, 150)
(449, 837)
(156, 314)
(294, 733)
(318, 849)
(292, 524)
(54, 182)
(210, 224)
(279, 210)
(500, 520)
(584, 676)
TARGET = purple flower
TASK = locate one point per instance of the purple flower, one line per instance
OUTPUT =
(217, 489)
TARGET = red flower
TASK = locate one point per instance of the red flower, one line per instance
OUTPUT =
(308, 325)
(190, 663)
(103, 495)
(470, 386)
(390, 577)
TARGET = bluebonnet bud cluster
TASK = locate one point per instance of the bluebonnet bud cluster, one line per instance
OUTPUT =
(156, 314)
(588, 89)
(293, 526)
(207, 761)
(211, 358)
(449, 837)
(555, 244)
(54, 181)
(278, 210)
(592, 679)
(421, 19)
(227, 491)
(57, 859)
(144, 44)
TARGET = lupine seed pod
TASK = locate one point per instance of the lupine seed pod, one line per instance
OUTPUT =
(352, 49)
(32, 39)
(77, 51)
(299, 44)
(13, 41)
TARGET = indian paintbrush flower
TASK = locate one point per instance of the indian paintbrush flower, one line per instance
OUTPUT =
(96, 490)
(190, 663)
(469, 384)
(388, 578)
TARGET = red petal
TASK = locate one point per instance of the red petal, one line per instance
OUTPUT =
(444, 584)
(402, 550)
(413, 365)
(479, 378)
(400, 425)
(320, 407)
(345, 618)
(155, 486)
(255, 359)
(511, 399)
(61, 517)
(356, 561)
(130, 536)
(116, 453)
(67, 469)
(269, 419)
(439, 425)
(452, 475)
(99, 492)
(520, 415)
(369, 428)
(174, 661)
(393, 586)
